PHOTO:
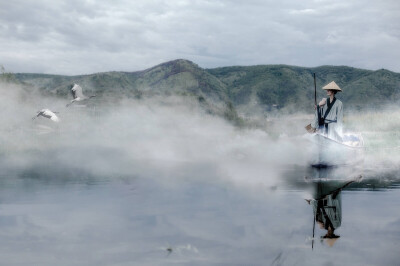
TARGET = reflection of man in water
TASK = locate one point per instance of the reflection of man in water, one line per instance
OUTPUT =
(327, 207)
(328, 213)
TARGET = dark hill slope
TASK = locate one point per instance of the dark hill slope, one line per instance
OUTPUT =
(267, 86)
(283, 85)
(180, 77)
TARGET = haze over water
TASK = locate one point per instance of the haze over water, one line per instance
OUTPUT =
(161, 182)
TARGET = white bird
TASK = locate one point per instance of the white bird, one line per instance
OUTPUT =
(77, 93)
(47, 114)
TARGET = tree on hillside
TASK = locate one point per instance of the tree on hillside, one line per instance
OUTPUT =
(6, 76)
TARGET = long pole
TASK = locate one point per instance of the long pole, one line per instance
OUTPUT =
(315, 91)
(319, 188)
(319, 148)
(313, 230)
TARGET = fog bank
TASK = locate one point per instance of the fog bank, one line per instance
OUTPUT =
(164, 138)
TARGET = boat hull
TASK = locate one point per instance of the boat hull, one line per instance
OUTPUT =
(331, 153)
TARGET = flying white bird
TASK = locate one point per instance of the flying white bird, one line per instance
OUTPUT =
(76, 91)
(47, 114)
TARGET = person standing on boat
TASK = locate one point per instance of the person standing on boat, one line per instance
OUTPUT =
(328, 119)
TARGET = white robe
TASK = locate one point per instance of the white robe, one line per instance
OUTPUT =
(334, 120)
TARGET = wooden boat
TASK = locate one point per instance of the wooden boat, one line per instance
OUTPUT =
(328, 152)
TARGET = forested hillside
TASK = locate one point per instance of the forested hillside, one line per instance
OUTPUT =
(269, 87)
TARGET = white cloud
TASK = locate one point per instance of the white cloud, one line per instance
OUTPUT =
(304, 11)
(78, 37)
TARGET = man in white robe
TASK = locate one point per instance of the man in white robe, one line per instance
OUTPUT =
(328, 119)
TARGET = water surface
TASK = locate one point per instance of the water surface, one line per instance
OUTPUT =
(142, 220)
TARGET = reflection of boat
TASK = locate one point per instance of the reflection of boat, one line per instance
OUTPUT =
(333, 173)
(329, 152)
(299, 177)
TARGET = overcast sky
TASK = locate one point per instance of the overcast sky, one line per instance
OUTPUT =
(83, 37)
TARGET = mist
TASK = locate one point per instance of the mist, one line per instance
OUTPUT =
(160, 137)
(168, 137)
(127, 181)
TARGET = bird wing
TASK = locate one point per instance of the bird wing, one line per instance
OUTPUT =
(55, 118)
(49, 114)
(77, 91)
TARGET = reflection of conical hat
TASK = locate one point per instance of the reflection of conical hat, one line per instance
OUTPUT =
(332, 86)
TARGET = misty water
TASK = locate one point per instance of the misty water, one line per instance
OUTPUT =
(140, 220)
(155, 182)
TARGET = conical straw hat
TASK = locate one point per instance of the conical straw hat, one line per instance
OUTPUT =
(332, 86)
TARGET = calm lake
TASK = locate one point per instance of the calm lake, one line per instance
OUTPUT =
(64, 218)
(148, 184)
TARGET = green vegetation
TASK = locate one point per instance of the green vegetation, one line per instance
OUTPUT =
(270, 87)
(284, 86)
(7, 77)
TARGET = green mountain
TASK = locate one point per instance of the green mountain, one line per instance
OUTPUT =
(284, 86)
(268, 87)
(178, 77)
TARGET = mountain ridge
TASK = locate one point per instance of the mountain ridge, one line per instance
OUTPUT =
(277, 86)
